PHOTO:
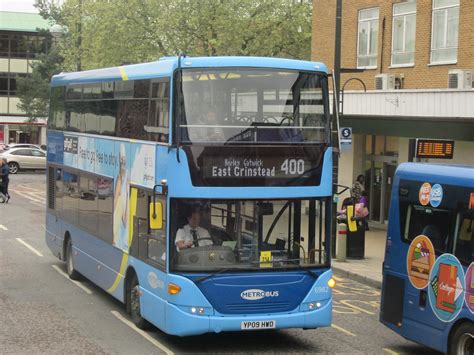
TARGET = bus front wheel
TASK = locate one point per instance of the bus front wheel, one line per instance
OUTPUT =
(72, 273)
(134, 304)
(462, 341)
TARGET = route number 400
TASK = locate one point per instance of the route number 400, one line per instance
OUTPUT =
(293, 166)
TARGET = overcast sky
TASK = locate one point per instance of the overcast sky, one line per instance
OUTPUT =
(17, 5)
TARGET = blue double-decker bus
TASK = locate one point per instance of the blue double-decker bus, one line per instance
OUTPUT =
(197, 191)
(428, 279)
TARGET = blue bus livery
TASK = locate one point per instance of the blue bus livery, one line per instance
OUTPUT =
(196, 190)
(428, 283)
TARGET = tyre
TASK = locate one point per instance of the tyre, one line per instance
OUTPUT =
(462, 340)
(133, 305)
(13, 167)
(72, 273)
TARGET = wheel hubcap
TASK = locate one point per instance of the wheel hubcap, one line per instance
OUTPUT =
(466, 344)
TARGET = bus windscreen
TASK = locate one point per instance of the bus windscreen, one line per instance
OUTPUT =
(248, 235)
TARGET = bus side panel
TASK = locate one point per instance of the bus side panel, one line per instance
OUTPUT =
(153, 285)
(54, 237)
(98, 261)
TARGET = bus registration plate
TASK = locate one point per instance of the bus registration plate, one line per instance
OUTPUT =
(258, 324)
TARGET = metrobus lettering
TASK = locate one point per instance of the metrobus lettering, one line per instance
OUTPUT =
(253, 295)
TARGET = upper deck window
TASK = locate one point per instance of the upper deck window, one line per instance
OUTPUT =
(253, 105)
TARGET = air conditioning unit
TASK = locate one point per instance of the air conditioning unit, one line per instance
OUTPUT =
(384, 82)
(459, 79)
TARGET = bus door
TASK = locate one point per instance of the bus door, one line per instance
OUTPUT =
(148, 244)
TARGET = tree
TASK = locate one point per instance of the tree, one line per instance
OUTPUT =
(33, 90)
(109, 33)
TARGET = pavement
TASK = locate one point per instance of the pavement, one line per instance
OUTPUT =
(369, 269)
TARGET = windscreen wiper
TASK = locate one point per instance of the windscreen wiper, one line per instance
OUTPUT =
(203, 278)
(295, 262)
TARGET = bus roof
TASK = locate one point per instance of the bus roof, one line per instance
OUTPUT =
(166, 66)
(460, 175)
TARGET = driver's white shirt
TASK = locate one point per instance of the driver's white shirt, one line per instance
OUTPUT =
(185, 235)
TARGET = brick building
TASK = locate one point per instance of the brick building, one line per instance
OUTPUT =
(20, 45)
(417, 59)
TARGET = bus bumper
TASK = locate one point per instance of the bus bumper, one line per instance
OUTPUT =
(181, 323)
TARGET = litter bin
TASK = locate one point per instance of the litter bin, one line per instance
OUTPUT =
(356, 241)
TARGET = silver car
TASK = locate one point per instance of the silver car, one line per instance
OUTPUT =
(24, 158)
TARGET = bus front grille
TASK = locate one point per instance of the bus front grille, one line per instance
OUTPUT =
(258, 307)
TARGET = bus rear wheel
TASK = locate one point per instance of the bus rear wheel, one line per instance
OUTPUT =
(134, 304)
(462, 341)
(71, 271)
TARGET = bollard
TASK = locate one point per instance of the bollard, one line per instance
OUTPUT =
(341, 242)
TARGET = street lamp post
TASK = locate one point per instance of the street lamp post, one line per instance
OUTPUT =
(335, 132)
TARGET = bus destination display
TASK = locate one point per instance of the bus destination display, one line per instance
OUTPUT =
(434, 148)
(239, 167)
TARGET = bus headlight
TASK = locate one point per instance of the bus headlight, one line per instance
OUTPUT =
(313, 306)
(198, 310)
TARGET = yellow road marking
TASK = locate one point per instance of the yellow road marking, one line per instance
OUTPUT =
(344, 310)
(21, 241)
(347, 303)
(337, 292)
(390, 351)
(3, 227)
(143, 334)
(342, 330)
(78, 284)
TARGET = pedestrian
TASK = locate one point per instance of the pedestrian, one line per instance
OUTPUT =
(4, 171)
(357, 188)
(363, 208)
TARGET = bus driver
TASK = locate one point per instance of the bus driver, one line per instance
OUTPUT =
(192, 235)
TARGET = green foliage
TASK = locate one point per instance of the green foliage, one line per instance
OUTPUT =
(33, 90)
(109, 33)
(101, 33)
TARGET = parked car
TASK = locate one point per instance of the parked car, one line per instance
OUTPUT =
(24, 158)
(24, 145)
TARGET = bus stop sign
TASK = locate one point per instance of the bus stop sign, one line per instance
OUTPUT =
(345, 137)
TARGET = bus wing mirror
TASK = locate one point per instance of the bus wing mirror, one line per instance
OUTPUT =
(351, 222)
(156, 215)
(265, 208)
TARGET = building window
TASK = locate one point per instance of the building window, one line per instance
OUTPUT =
(404, 30)
(8, 85)
(444, 34)
(367, 38)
